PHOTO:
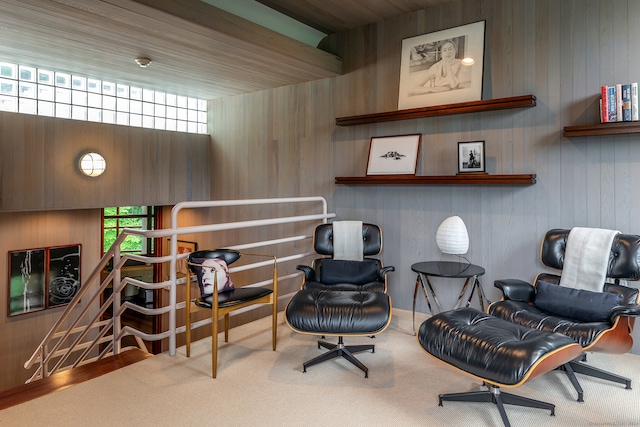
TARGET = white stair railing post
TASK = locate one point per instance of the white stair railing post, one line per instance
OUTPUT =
(172, 293)
(117, 299)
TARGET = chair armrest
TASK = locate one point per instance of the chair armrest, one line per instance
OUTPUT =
(309, 273)
(624, 310)
(516, 290)
(385, 270)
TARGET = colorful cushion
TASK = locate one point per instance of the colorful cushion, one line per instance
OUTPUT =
(575, 304)
(210, 269)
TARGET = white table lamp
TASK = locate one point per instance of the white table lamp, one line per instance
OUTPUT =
(452, 236)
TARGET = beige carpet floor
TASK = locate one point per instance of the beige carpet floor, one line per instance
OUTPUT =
(259, 387)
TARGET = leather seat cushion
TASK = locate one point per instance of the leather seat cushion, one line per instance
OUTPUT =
(367, 287)
(338, 313)
(234, 297)
(485, 346)
(521, 313)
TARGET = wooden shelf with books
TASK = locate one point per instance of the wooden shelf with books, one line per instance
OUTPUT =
(460, 179)
(600, 129)
(440, 110)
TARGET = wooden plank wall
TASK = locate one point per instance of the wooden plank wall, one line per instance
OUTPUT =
(45, 201)
(20, 335)
(284, 142)
(39, 156)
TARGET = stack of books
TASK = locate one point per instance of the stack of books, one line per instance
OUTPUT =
(619, 103)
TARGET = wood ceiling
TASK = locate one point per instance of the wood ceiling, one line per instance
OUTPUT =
(197, 50)
(337, 16)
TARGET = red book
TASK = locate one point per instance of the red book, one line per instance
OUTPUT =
(604, 105)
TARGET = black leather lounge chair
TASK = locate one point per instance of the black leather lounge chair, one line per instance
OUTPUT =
(598, 321)
(342, 297)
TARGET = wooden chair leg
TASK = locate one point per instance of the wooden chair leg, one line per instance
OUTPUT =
(274, 309)
(274, 325)
(226, 328)
(214, 342)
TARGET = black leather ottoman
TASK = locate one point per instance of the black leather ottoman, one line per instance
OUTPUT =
(339, 313)
(500, 353)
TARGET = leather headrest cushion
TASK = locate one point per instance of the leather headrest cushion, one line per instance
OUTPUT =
(371, 239)
(624, 261)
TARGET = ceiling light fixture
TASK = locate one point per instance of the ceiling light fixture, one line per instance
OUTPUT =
(143, 62)
(468, 61)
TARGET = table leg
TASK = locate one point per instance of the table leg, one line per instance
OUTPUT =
(464, 289)
(433, 294)
(415, 295)
(481, 295)
(419, 282)
(473, 289)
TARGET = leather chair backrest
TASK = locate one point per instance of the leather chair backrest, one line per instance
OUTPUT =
(371, 239)
(624, 260)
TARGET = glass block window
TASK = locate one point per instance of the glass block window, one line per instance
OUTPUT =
(32, 90)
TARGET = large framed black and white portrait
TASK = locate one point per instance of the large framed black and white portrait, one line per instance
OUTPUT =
(443, 67)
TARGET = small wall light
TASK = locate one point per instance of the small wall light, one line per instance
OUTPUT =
(92, 164)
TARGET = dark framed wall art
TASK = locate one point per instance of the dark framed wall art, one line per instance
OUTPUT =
(42, 278)
(27, 280)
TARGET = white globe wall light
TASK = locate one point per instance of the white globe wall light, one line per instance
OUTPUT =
(92, 164)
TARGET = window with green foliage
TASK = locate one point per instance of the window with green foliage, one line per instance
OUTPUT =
(115, 219)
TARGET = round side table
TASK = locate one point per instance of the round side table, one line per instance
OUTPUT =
(450, 270)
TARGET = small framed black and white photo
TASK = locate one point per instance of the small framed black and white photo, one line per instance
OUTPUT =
(393, 155)
(471, 157)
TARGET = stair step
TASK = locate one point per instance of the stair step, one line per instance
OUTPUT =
(65, 379)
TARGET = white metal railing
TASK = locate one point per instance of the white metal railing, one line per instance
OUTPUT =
(81, 336)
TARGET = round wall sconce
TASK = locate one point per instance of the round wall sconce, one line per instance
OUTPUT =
(92, 164)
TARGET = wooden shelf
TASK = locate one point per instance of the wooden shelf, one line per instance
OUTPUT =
(440, 110)
(462, 179)
(617, 128)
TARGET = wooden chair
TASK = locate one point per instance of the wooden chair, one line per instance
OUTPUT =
(223, 302)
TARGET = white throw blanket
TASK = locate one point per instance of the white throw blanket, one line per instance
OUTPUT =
(586, 258)
(347, 240)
